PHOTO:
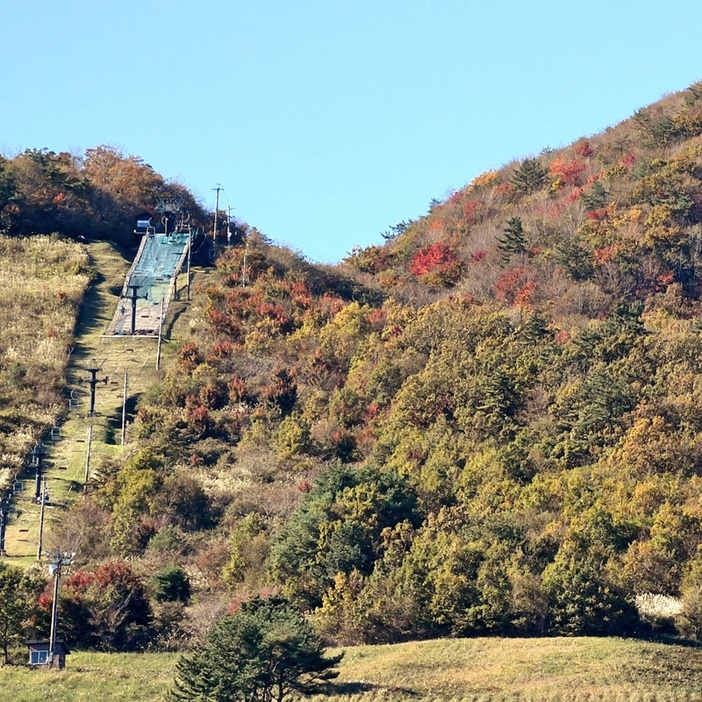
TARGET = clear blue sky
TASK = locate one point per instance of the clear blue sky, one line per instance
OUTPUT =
(327, 121)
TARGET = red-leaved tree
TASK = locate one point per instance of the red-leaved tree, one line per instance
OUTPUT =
(567, 172)
(437, 264)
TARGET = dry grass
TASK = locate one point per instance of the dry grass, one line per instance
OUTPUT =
(43, 280)
(498, 670)
(461, 670)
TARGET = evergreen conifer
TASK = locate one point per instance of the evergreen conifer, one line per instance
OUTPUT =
(513, 240)
(529, 177)
(265, 652)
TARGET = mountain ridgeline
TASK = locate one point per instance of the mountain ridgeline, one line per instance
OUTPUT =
(96, 195)
(488, 424)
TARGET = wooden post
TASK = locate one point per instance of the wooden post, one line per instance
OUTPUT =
(124, 410)
(190, 244)
(244, 272)
(87, 459)
(41, 520)
(3, 523)
(160, 334)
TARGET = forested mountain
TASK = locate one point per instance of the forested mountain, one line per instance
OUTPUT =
(489, 423)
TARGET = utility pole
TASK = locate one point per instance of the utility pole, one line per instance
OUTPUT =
(87, 458)
(41, 519)
(190, 246)
(160, 335)
(124, 411)
(60, 559)
(133, 296)
(38, 453)
(217, 189)
(229, 224)
(93, 369)
(4, 508)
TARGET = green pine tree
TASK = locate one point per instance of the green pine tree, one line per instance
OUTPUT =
(267, 651)
(513, 240)
(529, 176)
(575, 260)
(596, 197)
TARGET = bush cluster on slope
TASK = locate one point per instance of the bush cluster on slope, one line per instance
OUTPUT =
(539, 489)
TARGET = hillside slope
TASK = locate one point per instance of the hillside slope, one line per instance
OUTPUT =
(489, 425)
(517, 373)
(67, 455)
(44, 280)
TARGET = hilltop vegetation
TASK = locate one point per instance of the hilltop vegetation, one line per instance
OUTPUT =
(488, 425)
(96, 195)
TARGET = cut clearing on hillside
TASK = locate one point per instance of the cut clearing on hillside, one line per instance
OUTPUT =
(81, 442)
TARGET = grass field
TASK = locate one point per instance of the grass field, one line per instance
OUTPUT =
(460, 670)
(93, 677)
(497, 670)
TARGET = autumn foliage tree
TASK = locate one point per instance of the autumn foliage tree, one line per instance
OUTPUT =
(106, 608)
(566, 173)
(436, 264)
(95, 195)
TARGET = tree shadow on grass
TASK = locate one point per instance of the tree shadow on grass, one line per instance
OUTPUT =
(170, 323)
(93, 306)
(351, 687)
(670, 640)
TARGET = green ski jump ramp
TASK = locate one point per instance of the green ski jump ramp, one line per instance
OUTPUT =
(156, 266)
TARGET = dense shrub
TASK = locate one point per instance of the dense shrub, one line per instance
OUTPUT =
(171, 585)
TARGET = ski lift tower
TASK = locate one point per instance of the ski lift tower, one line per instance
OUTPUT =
(93, 368)
(134, 297)
(4, 511)
(59, 561)
(37, 453)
